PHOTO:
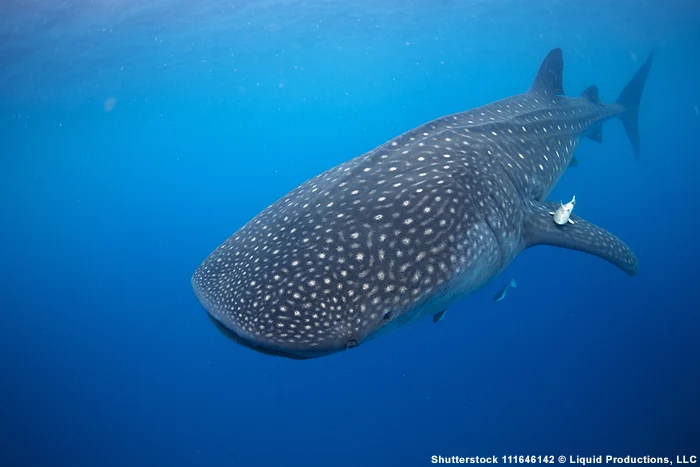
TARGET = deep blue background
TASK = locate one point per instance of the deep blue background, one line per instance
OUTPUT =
(107, 358)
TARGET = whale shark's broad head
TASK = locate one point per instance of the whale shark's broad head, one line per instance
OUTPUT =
(352, 252)
(408, 228)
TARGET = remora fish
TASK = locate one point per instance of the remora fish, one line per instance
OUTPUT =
(501, 294)
(412, 226)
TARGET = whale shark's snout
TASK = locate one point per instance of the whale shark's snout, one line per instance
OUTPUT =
(281, 318)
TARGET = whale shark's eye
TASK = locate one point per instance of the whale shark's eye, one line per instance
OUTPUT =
(387, 316)
(351, 344)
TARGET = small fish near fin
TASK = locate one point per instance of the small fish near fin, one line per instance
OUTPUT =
(501, 294)
(574, 162)
(548, 81)
(583, 236)
(591, 93)
(438, 316)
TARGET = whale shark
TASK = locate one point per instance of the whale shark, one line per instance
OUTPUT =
(414, 225)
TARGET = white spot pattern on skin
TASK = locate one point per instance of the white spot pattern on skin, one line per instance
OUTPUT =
(380, 234)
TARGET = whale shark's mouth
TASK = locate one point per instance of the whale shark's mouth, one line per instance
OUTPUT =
(252, 345)
(262, 346)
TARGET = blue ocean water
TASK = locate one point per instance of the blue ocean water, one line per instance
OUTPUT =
(136, 136)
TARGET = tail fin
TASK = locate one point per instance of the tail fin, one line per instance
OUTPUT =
(629, 98)
(513, 284)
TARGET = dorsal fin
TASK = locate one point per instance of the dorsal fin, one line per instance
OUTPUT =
(591, 93)
(548, 81)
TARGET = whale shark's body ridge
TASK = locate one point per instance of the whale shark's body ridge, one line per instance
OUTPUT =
(405, 230)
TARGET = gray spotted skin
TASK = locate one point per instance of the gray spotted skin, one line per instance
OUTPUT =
(402, 231)
(350, 251)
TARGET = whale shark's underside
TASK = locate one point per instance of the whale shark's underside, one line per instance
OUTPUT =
(410, 227)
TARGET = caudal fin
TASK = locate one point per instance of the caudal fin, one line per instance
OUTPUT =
(629, 98)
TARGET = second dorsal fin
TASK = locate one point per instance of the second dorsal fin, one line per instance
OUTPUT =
(591, 93)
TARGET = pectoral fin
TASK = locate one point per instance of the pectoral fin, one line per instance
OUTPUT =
(582, 236)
